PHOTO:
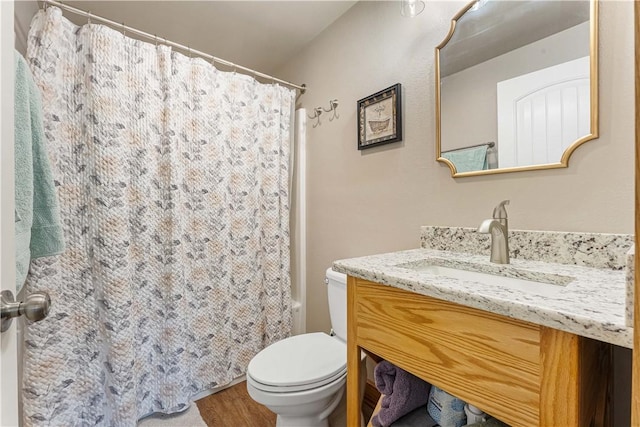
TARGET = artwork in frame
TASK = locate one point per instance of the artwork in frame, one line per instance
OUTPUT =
(380, 118)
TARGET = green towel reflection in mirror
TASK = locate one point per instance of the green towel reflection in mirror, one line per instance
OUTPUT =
(468, 159)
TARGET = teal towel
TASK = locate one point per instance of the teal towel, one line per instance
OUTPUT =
(37, 216)
(468, 159)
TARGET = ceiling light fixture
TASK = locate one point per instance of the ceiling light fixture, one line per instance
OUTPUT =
(411, 8)
(477, 5)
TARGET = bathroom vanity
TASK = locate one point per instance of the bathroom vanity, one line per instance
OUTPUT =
(535, 354)
(520, 372)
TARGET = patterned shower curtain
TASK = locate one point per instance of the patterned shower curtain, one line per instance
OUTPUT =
(173, 180)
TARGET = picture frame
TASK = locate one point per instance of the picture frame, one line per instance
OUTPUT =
(380, 118)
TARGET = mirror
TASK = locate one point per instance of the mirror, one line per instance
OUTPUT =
(516, 85)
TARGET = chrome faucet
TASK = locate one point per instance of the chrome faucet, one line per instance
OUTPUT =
(499, 229)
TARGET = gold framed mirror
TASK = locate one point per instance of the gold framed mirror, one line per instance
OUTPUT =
(516, 85)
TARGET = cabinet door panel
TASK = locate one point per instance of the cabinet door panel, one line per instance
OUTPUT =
(488, 360)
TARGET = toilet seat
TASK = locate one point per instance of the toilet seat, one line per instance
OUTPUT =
(297, 388)
(299, 363)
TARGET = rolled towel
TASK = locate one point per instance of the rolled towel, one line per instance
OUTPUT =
(402, 393)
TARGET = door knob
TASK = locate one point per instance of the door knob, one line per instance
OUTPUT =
(35, 307)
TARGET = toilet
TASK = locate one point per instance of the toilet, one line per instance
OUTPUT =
(302, 378)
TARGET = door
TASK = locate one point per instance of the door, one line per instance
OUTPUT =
(635, 384)
(8, 349)
(542, 113)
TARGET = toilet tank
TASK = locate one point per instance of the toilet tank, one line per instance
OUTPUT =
(337, 295)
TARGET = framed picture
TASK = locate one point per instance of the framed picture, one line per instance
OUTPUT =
(380, 118)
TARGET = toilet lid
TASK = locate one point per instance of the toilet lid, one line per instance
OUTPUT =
(299, 360)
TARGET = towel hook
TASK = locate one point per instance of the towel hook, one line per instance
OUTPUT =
(316, 115)
(333, 106)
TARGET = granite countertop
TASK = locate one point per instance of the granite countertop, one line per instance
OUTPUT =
(582, 300)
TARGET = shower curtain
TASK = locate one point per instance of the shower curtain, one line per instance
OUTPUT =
(173, 179)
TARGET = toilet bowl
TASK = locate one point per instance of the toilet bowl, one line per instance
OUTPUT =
(302, 378)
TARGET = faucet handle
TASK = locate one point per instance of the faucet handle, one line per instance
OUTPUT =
(500, 212)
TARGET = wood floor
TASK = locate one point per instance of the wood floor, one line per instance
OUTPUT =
(234, 407)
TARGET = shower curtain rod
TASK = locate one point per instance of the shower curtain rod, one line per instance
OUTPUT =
(489, 144)
(163, 40)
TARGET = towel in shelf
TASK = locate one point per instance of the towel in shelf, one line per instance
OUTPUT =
(402, 393)
(468, 159)
(37, 216)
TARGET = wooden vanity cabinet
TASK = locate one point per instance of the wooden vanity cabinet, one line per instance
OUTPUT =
(522, 373)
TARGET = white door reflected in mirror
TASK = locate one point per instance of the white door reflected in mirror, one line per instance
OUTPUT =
(540, 114)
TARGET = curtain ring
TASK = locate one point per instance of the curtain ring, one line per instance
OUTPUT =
(89, 18)
(124, 30)
(155, 37)
(189, 51)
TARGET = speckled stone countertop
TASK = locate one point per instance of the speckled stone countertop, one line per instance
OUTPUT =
(582, 300)
(631, 271)
(598, 250)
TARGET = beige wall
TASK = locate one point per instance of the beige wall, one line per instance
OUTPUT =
(23, 12)
(371, 201)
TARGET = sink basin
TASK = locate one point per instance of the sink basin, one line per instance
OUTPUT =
(514, 279)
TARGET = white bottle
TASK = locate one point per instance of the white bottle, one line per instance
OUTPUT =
(474, 414)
